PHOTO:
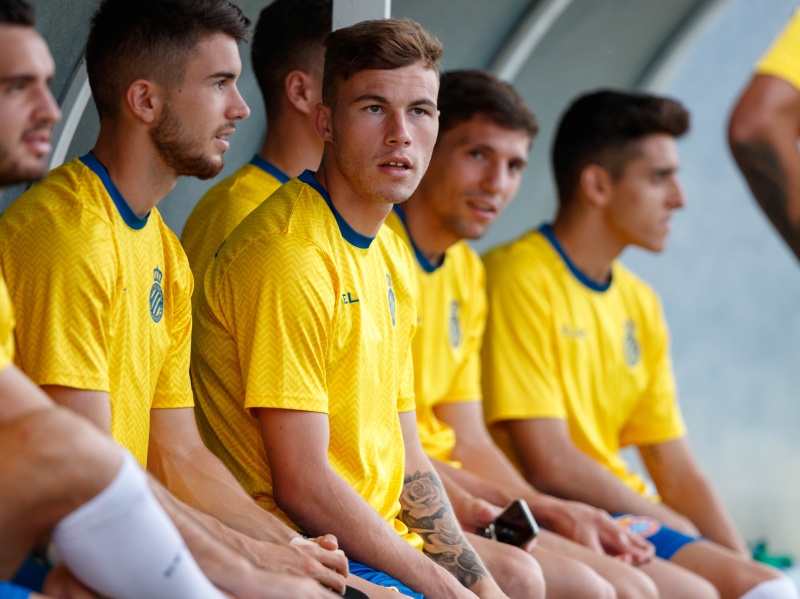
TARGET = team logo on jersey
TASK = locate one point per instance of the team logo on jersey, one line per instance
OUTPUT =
(392, 302)
(157, 296)
(644, 526)
(455, 324)
(631, 347)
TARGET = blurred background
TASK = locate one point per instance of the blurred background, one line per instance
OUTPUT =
(726, 280)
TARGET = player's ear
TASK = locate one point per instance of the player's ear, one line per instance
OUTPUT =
(299, 89)
(596, 184)
(323, 116)
(145, 100)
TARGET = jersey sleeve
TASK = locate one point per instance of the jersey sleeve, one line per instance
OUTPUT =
(61, 298)
(406, 401)
(520, 376)
(657, 417)
(783, 58)
(173, 388)
(280, 317)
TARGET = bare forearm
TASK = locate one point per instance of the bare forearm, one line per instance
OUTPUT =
(696, 500)
(774, 178)
(199, 479)
(323, 501)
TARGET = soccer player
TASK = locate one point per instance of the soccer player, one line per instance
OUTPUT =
(576, 357)
(763, 133)
(485, 133)
(59, 475)
(287, 56)
(301, 359)
(100, 287)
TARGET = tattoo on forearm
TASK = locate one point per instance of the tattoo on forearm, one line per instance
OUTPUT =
(765, 175)
(426, 511)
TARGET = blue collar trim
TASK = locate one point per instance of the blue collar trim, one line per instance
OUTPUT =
(350, 235)
(426, 264)
(547, 231)
(268, 167)
(133, 220)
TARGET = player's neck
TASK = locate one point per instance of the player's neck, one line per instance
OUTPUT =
(587, 244)
(135, 168)
(364, 215)
(292, 145)
(426, 230)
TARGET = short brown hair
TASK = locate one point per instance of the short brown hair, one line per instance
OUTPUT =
(289, 36)
(465, 94)
(604, 127)
(16, 12)
(151, 39)
(384, 44)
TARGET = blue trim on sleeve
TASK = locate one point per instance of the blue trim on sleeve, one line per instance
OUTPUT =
(547, 231)
(426, 264)
(12, 591)
(268, 167)
(349, 234)
(131, 219)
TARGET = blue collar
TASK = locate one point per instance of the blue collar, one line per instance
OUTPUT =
(268, 167)
(350, 235)
(547, 231)
(426, 264)
(131, 219)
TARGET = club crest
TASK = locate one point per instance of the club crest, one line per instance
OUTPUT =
(157, 296)
(392, 302)
(454, 326)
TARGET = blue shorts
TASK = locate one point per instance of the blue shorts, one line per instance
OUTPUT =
(667, 541)
(12, 591)
(379, 578)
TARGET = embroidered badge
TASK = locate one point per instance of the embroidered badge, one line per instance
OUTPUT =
(392, 302)
(157, 296)
(455, 324)
(631, 346)
(643, 526)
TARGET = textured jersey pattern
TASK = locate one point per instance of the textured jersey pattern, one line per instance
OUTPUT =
(294, 315)
(102, 298)
(451, 313)
(597, 358)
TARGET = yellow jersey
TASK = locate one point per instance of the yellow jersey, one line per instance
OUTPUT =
(222, 208)
(301, 312)
(6, 328)
(451, 313)
(783, 58)
(559, 345)
(102, 297)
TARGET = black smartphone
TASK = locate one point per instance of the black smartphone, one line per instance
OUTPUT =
(515, 525)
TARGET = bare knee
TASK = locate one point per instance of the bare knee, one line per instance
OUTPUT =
(518, 574)
(636, 585)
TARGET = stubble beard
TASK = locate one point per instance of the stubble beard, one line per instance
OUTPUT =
(179, 148)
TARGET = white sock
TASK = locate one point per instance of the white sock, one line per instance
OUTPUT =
(780, 588)
(123, 545)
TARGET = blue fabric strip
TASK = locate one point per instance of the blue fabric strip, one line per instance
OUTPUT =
(128, 215)
(12, 591)
(426, 264)
(268, 167)
(349, 234)
(381, 579)
(547, 231)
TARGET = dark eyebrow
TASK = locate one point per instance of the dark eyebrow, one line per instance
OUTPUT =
(382, 100)
(18, 79)
(222, 75)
